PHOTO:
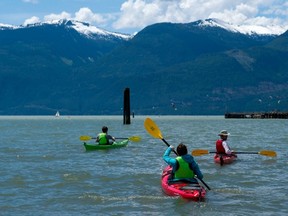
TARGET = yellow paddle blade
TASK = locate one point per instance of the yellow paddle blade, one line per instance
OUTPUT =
(152, 128)
(135, 138)
(85, 138)
(268, 153)
(199, 152)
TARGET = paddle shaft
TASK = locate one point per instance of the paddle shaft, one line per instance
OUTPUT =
(168, 145)
(133, 138)
(268, 153)
(205, 184)
(238, 152)
(246, 152)
(115, 137)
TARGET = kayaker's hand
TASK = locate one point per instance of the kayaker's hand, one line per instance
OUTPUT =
(172, 147)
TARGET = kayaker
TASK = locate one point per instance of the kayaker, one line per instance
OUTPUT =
(103, 138)
(184, 166)
(222, 146)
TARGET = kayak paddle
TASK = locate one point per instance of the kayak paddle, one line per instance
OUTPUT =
(200, 152)
(133, 138)
(155, 132)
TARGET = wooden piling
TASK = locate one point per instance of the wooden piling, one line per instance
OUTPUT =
(126, 109)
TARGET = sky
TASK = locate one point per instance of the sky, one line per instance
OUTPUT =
(130, 16)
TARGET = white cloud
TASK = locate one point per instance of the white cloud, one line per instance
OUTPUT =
(31, 20)
(140, 13)
(63, 15)
(86, 15)
(137, 14)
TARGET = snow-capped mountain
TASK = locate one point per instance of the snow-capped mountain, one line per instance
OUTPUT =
(70, 42)
(90, 30)
(244, 29)
(7, 26)
(87, 29)
(84, 28)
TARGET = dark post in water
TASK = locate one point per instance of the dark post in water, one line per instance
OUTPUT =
(126, 109)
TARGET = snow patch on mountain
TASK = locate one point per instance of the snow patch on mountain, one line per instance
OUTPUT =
(81, 27)
(6, 26)
(244, 29)
(87, 29)
(90, 30)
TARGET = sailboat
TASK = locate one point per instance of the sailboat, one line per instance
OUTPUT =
(57, 114)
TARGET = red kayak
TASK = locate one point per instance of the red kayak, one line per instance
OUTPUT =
(183, 188)
(226, 159)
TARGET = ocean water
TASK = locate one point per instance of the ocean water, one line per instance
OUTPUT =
(46, 171)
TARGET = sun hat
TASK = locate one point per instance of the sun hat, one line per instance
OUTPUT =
(223, 133)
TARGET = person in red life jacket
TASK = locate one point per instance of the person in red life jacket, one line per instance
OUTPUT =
(222, 146)
(103, 138)
(183, 166)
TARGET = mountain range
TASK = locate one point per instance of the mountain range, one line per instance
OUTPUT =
(206, 67)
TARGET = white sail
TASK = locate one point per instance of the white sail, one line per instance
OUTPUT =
(57, 114)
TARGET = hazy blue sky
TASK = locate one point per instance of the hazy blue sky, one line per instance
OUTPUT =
(128, 16)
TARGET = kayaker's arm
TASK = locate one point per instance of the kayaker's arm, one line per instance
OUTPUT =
(168, 159)
(109, 137)
(196, 170)
(226, 147)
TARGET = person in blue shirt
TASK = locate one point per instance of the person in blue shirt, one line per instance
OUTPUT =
(183, 166)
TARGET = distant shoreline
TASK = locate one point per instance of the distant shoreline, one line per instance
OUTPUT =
(257, 115)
